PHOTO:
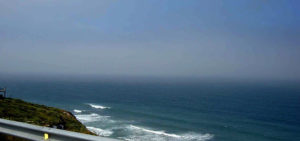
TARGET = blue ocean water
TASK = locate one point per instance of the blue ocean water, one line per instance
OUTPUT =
(172, 111)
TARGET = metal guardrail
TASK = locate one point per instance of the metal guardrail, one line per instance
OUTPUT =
(40, 133)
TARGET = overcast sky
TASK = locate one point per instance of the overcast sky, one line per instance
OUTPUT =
(187, 38)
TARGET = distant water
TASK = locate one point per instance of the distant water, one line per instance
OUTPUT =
(195, 111)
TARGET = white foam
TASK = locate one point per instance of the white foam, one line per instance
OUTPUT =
(99, 106)
(155, 132)
(90, 117)
(100, 131)
(144, 134)
(197, 137)
(77, 111)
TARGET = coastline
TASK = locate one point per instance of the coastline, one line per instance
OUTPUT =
(36, 114)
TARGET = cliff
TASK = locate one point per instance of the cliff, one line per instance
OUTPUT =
(18, 110)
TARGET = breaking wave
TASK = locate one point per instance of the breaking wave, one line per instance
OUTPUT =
(99, 131)
(127, 130)
(144, 134)
(77, 111)
(154, 132)
(90, 117)
(98, 106)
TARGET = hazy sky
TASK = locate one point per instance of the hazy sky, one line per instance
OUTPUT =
(190, 38)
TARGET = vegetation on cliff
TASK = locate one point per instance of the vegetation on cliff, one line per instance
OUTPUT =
(18, 110)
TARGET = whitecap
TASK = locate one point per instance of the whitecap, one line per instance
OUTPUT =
(145, 134)
(99, 131)
(77, 111)
(99, 106)
(155, 132)
(90, 117)
(196, 136)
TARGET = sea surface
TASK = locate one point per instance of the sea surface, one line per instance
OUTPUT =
(172, 110)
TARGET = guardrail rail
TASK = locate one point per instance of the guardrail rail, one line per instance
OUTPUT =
(40, 133)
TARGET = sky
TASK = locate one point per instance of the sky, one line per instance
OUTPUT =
(247, 39)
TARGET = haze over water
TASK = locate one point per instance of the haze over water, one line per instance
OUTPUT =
(247, 39)
(159, 70)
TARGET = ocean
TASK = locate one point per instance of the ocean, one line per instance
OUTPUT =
(172, 110)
